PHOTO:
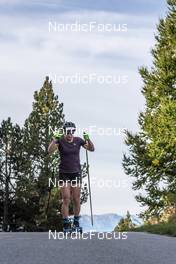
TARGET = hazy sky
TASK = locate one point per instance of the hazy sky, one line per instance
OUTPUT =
(30, 49)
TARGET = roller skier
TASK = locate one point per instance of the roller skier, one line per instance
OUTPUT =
(70, 171)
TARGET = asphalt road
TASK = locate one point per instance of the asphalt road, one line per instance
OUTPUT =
(37, 248)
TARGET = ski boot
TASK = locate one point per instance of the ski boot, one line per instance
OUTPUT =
(76, 227)
(67, 229)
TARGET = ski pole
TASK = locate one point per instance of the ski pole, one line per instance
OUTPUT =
(90, 195)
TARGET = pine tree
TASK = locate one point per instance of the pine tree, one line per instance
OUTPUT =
(152, 152)
(11, 162)
(46, 116)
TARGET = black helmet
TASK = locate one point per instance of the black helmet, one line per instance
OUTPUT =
(69, 127)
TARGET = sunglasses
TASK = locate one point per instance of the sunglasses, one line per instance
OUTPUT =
(70, 131)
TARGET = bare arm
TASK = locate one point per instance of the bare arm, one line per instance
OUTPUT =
(53, 146)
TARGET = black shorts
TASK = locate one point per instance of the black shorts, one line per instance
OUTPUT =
(73, 178)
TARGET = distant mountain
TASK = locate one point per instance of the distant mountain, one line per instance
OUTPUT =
(104, 222)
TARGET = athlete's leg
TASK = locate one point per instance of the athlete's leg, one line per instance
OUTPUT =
(76, 199)
(65, 192)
